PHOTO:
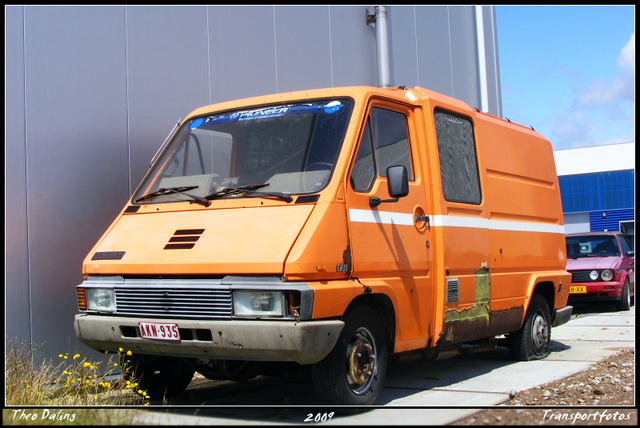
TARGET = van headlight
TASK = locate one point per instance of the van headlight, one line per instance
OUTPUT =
(100, 299)
(258, 304)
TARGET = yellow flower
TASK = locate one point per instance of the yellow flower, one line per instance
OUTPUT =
(115, 364)
(60, 356)
(129, 353)
(65, 357)
(120, 350)
(76, 356)
(87, 364)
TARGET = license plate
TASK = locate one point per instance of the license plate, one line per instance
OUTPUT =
(159, 331)
(577, 289)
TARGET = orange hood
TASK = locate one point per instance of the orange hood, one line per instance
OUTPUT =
(203, 242)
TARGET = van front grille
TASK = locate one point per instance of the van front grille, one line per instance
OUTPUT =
(174, 302)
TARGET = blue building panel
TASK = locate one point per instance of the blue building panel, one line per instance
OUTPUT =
(602, 191)
(609, 220)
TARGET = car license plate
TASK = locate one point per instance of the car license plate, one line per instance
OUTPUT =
(577, 289)
(159, 331)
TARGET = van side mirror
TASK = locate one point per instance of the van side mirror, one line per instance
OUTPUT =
(397, 181)
(397, 185)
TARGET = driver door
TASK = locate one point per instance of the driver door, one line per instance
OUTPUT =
(389, 242)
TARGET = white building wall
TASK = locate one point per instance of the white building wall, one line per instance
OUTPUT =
(587, 160)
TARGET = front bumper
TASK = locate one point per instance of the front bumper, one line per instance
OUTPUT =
(611, 290)
(305, 342)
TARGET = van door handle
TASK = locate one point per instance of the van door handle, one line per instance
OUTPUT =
(424, 218)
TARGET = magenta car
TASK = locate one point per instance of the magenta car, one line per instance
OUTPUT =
(602, 268)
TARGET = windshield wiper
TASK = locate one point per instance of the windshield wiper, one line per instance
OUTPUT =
(248, 190)
(180, 190)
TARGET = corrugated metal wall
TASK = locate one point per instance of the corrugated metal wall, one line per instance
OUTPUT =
(608, 190)
(92, 91)
(609, 219)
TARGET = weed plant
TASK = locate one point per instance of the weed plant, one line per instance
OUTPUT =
(71, 381)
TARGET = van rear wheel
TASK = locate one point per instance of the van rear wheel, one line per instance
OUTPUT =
(160, 377)
(354, 371)
(533, 340)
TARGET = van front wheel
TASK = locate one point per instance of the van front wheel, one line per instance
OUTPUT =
(354, 371)
(533, 340)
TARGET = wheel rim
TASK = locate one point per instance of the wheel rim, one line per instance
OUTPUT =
(362, 364)
(539, 333)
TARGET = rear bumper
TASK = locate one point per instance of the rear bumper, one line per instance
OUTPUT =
(306, 342)
(562, 316)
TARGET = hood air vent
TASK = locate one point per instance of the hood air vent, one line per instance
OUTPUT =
(108, 255)
(184, 239)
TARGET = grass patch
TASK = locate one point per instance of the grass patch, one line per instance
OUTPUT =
(68, 382)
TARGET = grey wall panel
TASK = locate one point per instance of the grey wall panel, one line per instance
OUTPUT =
(402, 46)
(167, 75)
(434, 54)
(77, 153)
(464, 55)
(242, 47)
(303, 58)
(353, 47)
(17, 309)
(91, 92)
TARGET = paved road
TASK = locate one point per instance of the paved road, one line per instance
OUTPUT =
(416, 393)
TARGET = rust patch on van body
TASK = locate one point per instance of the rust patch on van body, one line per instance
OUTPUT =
(471, 323)
(506, 320)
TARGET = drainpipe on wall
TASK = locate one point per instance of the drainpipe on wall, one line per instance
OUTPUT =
(382, 44)
(482, 61)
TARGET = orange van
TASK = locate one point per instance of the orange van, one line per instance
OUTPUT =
(336, 228)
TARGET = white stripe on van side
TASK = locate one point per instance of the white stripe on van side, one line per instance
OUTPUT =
(386, 217)
(380, 217)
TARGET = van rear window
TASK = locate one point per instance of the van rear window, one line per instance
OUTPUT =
(458, 159)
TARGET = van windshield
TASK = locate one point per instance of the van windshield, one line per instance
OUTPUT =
(267, 151)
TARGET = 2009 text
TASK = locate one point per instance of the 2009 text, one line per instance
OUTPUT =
(319, 417)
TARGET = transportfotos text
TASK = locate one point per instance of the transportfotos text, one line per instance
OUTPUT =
(597, 416)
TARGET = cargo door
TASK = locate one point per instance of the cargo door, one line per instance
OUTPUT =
(389, 242)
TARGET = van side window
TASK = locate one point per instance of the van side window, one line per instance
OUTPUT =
(458, 159)
(385, 130)
(364, 170)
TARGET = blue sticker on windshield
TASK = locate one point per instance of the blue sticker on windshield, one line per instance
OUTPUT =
(270, 112)
(333, 107)
(196, 123)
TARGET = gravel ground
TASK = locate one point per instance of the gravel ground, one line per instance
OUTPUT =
(603, 394)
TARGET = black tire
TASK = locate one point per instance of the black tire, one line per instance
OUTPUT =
(624, 304)
(160, 377)
(354, 372)
(533, 340)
